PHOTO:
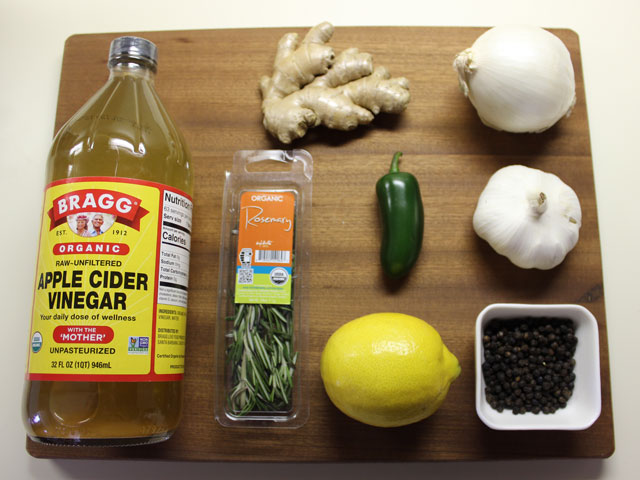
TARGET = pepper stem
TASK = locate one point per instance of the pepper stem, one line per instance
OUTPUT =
(394, 163)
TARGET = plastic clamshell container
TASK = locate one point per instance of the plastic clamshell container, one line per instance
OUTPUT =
(583, 408)
(271, 172)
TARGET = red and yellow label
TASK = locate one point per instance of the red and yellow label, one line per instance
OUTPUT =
(111, 283)
(265, 248)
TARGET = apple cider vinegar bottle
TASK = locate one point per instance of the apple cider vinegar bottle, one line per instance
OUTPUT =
(107, 340)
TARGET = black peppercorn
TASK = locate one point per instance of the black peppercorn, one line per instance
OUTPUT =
(539, 352)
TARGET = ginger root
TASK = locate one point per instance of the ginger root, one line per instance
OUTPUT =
(311, 86)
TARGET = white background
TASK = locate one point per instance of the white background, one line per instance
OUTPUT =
(32, 36)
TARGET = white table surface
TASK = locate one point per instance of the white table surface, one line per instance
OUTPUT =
(32, 35)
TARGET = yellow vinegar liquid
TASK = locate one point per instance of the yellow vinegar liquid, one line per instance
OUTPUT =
(122, 131)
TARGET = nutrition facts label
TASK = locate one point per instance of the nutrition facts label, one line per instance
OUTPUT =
(174, 249)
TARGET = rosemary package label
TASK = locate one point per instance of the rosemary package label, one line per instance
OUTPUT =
(265, 248)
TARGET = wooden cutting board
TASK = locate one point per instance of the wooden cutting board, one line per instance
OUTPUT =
(208, 81)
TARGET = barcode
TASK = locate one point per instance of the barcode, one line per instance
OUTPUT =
(271, 256)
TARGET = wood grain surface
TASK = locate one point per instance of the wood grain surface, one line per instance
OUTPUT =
(208, 81)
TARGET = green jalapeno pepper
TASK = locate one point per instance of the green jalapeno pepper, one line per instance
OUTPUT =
(402, 220)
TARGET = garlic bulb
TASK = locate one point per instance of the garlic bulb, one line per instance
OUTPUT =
(529, 216)
(519, 78)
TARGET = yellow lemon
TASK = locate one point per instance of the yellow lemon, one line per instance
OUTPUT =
(387, 369)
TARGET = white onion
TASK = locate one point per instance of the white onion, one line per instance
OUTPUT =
(519, 78)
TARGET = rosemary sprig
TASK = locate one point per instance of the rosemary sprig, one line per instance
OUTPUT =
(261, 359)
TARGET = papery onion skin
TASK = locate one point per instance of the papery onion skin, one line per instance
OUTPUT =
(507, 219)
(520, 79)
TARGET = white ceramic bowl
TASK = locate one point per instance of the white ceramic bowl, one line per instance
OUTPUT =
(583, 408)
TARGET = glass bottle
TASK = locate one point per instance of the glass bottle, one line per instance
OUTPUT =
(106, 356)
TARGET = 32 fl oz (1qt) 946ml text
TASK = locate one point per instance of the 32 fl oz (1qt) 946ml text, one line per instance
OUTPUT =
(80, 364)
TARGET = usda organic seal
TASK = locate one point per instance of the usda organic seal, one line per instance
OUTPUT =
(36, 342)
(278, 276)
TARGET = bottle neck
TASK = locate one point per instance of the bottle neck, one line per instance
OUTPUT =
(136, 69)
